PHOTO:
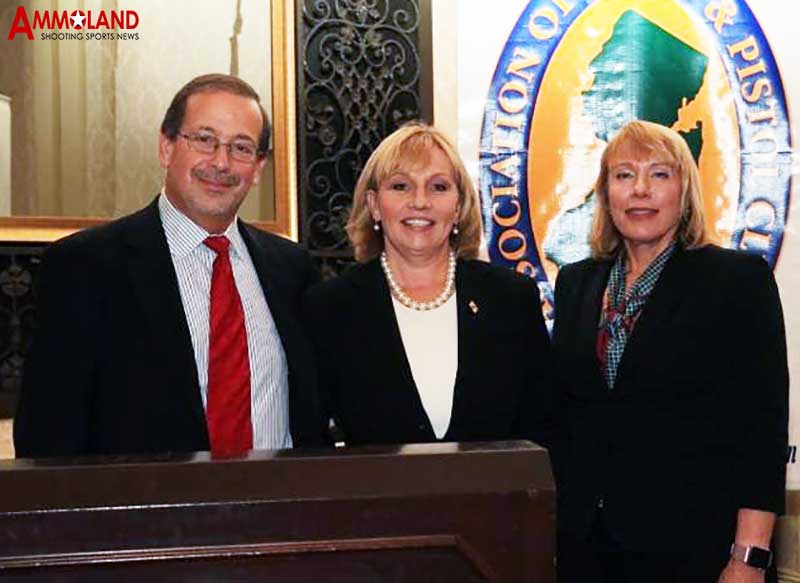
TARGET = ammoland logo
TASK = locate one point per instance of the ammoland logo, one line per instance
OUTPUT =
(84, 23)
(573, 72)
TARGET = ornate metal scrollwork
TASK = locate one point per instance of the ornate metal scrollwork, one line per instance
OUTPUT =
(359, 81)
(18, 268)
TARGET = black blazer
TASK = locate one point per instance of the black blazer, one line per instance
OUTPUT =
(503, 387)
(696, 425)
(112, 370)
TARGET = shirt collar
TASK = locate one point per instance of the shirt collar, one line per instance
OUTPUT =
(184, 235)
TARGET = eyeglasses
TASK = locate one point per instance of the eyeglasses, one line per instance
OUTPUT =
(239, 150)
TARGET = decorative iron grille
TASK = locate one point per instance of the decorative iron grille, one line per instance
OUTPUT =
(358, 81)
(18, 268)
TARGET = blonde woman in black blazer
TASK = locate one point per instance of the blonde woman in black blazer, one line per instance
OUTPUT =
(395, 365)
(679, 451)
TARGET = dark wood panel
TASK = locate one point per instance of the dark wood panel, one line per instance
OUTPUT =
(439, 565)
(469, 512)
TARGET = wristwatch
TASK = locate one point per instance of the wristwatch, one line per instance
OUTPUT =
(753, 556)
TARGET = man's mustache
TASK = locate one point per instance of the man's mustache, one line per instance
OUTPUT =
(214, 175)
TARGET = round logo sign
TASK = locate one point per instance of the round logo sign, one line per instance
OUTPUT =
(572, 73)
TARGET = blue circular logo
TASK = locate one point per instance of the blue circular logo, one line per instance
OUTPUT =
(573, 72)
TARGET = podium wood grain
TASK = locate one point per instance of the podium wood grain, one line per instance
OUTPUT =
(441, 512)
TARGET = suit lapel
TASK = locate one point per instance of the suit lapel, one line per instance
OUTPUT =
(390, 360)
(471, 334)
(591, 305)
(155, 285)
(656, 313)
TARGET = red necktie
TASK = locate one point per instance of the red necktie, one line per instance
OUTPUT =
(228, 401)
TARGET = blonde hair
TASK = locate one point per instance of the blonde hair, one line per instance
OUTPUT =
(410, 147)
(651, 139)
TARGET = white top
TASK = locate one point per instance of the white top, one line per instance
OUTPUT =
(269, 372)
(430, 339)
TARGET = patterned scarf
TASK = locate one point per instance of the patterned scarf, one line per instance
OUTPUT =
(622, 310)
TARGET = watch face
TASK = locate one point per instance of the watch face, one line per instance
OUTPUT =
(757, 557)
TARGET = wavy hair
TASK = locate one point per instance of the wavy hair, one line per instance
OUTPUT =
(410, 147)
(650, 139)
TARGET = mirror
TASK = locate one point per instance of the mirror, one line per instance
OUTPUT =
(85, 109)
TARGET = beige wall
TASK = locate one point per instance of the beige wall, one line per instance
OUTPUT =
(87, 112)
(6, 445)
(788, 542)
(444, 27)
(178, 41)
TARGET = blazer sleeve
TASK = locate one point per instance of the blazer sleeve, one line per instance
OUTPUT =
(564, 282)
(309, 418)
(53, 416)
(318, 321)
(760, 381)
(310, 275)
(538, 418)
(565, 288)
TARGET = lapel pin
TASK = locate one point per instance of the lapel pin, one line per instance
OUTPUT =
(473, 306)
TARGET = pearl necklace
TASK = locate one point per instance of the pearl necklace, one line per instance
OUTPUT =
(405, 299)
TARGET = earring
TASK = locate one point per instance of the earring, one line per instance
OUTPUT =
(376, 226)
(455, 229)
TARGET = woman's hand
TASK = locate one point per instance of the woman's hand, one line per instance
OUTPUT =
(737, 572)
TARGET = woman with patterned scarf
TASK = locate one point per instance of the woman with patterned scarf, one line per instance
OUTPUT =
(672, 359)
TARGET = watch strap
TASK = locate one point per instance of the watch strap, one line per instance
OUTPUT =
(757, 557)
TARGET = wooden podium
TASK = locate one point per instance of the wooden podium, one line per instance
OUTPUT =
(416, 513)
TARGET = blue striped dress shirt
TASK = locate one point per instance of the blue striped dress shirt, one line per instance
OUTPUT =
(193, 261)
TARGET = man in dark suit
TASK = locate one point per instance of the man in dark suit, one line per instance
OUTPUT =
(175, 328)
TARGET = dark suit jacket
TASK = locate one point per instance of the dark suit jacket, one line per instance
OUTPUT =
(112, 368)
(696, 425)
(503, 387)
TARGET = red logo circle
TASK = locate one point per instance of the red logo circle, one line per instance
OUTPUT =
(77, 17)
